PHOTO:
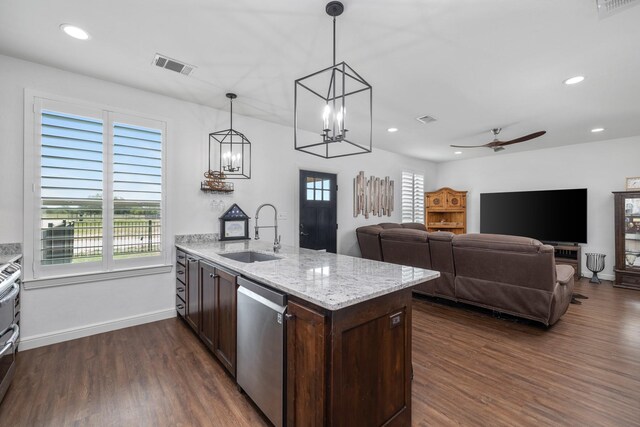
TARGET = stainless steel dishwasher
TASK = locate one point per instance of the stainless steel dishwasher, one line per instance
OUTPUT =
(261, 347)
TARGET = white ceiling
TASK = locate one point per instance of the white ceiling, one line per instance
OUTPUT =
(472, 64)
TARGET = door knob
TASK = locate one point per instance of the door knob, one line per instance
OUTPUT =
(302, 233)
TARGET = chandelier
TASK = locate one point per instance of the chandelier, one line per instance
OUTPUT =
(322, 124)
(234, 148)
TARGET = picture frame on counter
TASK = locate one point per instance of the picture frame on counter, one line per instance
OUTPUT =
(234, 224)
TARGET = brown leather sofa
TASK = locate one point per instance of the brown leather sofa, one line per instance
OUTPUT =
(509, 274)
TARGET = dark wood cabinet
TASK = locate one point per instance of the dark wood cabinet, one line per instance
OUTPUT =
(208, 279)
(210, 304)
(356, 360)
(225, 304)
(192, 313)
(627, 239)
(307, 335)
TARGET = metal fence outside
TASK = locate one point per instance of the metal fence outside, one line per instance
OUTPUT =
(81, 240)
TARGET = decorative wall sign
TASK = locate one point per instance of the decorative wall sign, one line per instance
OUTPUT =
(373, 195)
(234, 224)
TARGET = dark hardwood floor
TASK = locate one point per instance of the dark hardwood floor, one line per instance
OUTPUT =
(471, 368)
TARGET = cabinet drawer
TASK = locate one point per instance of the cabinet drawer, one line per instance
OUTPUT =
(181, 257)
(181, 290)
(181, 272)
(180, 306)
(627, 280)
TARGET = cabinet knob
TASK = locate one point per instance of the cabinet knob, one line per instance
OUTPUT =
(211, 275)
(289, 316)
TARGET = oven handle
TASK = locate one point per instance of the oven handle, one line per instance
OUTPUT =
(11, 341)
(11, 295)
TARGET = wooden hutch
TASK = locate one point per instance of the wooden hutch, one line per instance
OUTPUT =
(446, 210)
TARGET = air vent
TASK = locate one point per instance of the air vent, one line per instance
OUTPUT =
(163, 61)
(607, 8)
(426, 119)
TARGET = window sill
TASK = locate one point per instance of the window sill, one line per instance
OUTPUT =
(74, 279)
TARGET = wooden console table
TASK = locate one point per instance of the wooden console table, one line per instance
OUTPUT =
(570, 255)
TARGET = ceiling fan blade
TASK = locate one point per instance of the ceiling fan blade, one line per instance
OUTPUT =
(468, 146)
(521, 139)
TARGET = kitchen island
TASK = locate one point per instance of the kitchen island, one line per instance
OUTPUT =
(348, 326)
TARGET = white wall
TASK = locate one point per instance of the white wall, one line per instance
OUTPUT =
(59, 313)
(601, 167)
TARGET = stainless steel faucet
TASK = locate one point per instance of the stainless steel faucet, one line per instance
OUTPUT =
(276, 240)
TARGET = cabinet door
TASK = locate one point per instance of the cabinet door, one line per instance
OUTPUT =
(193, 293)
(225, 319)
(436, 200)
(208, 298)
(306, 366)
(455, 201)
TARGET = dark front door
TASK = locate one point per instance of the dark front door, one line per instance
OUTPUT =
(318, 210)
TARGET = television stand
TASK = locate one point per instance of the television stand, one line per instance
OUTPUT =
(569, 255)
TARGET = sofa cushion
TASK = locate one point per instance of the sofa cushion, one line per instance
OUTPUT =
(414, 226)
(564, 273)
(500, 242)
(369, 242)
(406, 246)
(387, 225)
(442, 236)
(373, 230)
(404, 235)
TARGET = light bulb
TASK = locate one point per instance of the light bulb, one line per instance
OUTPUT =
(325, 117)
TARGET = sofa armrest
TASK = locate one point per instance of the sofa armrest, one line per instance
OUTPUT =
(564, 274)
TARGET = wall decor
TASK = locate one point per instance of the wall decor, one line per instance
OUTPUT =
(372, 196)
(215, 183)
(234, 224)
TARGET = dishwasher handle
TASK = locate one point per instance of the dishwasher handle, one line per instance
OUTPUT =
(280, 309)
(269, 294)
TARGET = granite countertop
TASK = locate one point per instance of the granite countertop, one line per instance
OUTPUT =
(328, 280)
(9, 252)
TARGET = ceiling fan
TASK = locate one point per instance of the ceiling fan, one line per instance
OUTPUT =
(498, 145)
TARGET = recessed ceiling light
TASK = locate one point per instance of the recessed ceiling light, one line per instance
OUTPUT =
(574, 80)
(457, 152)
(392, 130)
(596, 130)
(75, 32)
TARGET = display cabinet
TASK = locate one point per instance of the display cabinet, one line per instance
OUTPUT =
(627, 239)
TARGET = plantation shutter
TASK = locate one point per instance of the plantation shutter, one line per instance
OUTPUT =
(137, 190)
(407, 197)
(418, 198)
(71, 188)
(412, 197)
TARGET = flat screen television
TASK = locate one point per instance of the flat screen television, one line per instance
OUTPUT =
(551, 216)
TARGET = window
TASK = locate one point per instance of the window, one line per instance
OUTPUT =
(98, 186)
(412, 197)
(318, 189)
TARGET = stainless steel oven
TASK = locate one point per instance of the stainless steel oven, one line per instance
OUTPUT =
(9, 322)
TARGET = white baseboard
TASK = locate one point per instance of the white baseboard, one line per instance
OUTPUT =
(35, 341)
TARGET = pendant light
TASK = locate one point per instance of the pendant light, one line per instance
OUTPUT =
(234, 149)
(332, 108)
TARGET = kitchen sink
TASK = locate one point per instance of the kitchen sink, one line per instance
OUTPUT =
(250, 256)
